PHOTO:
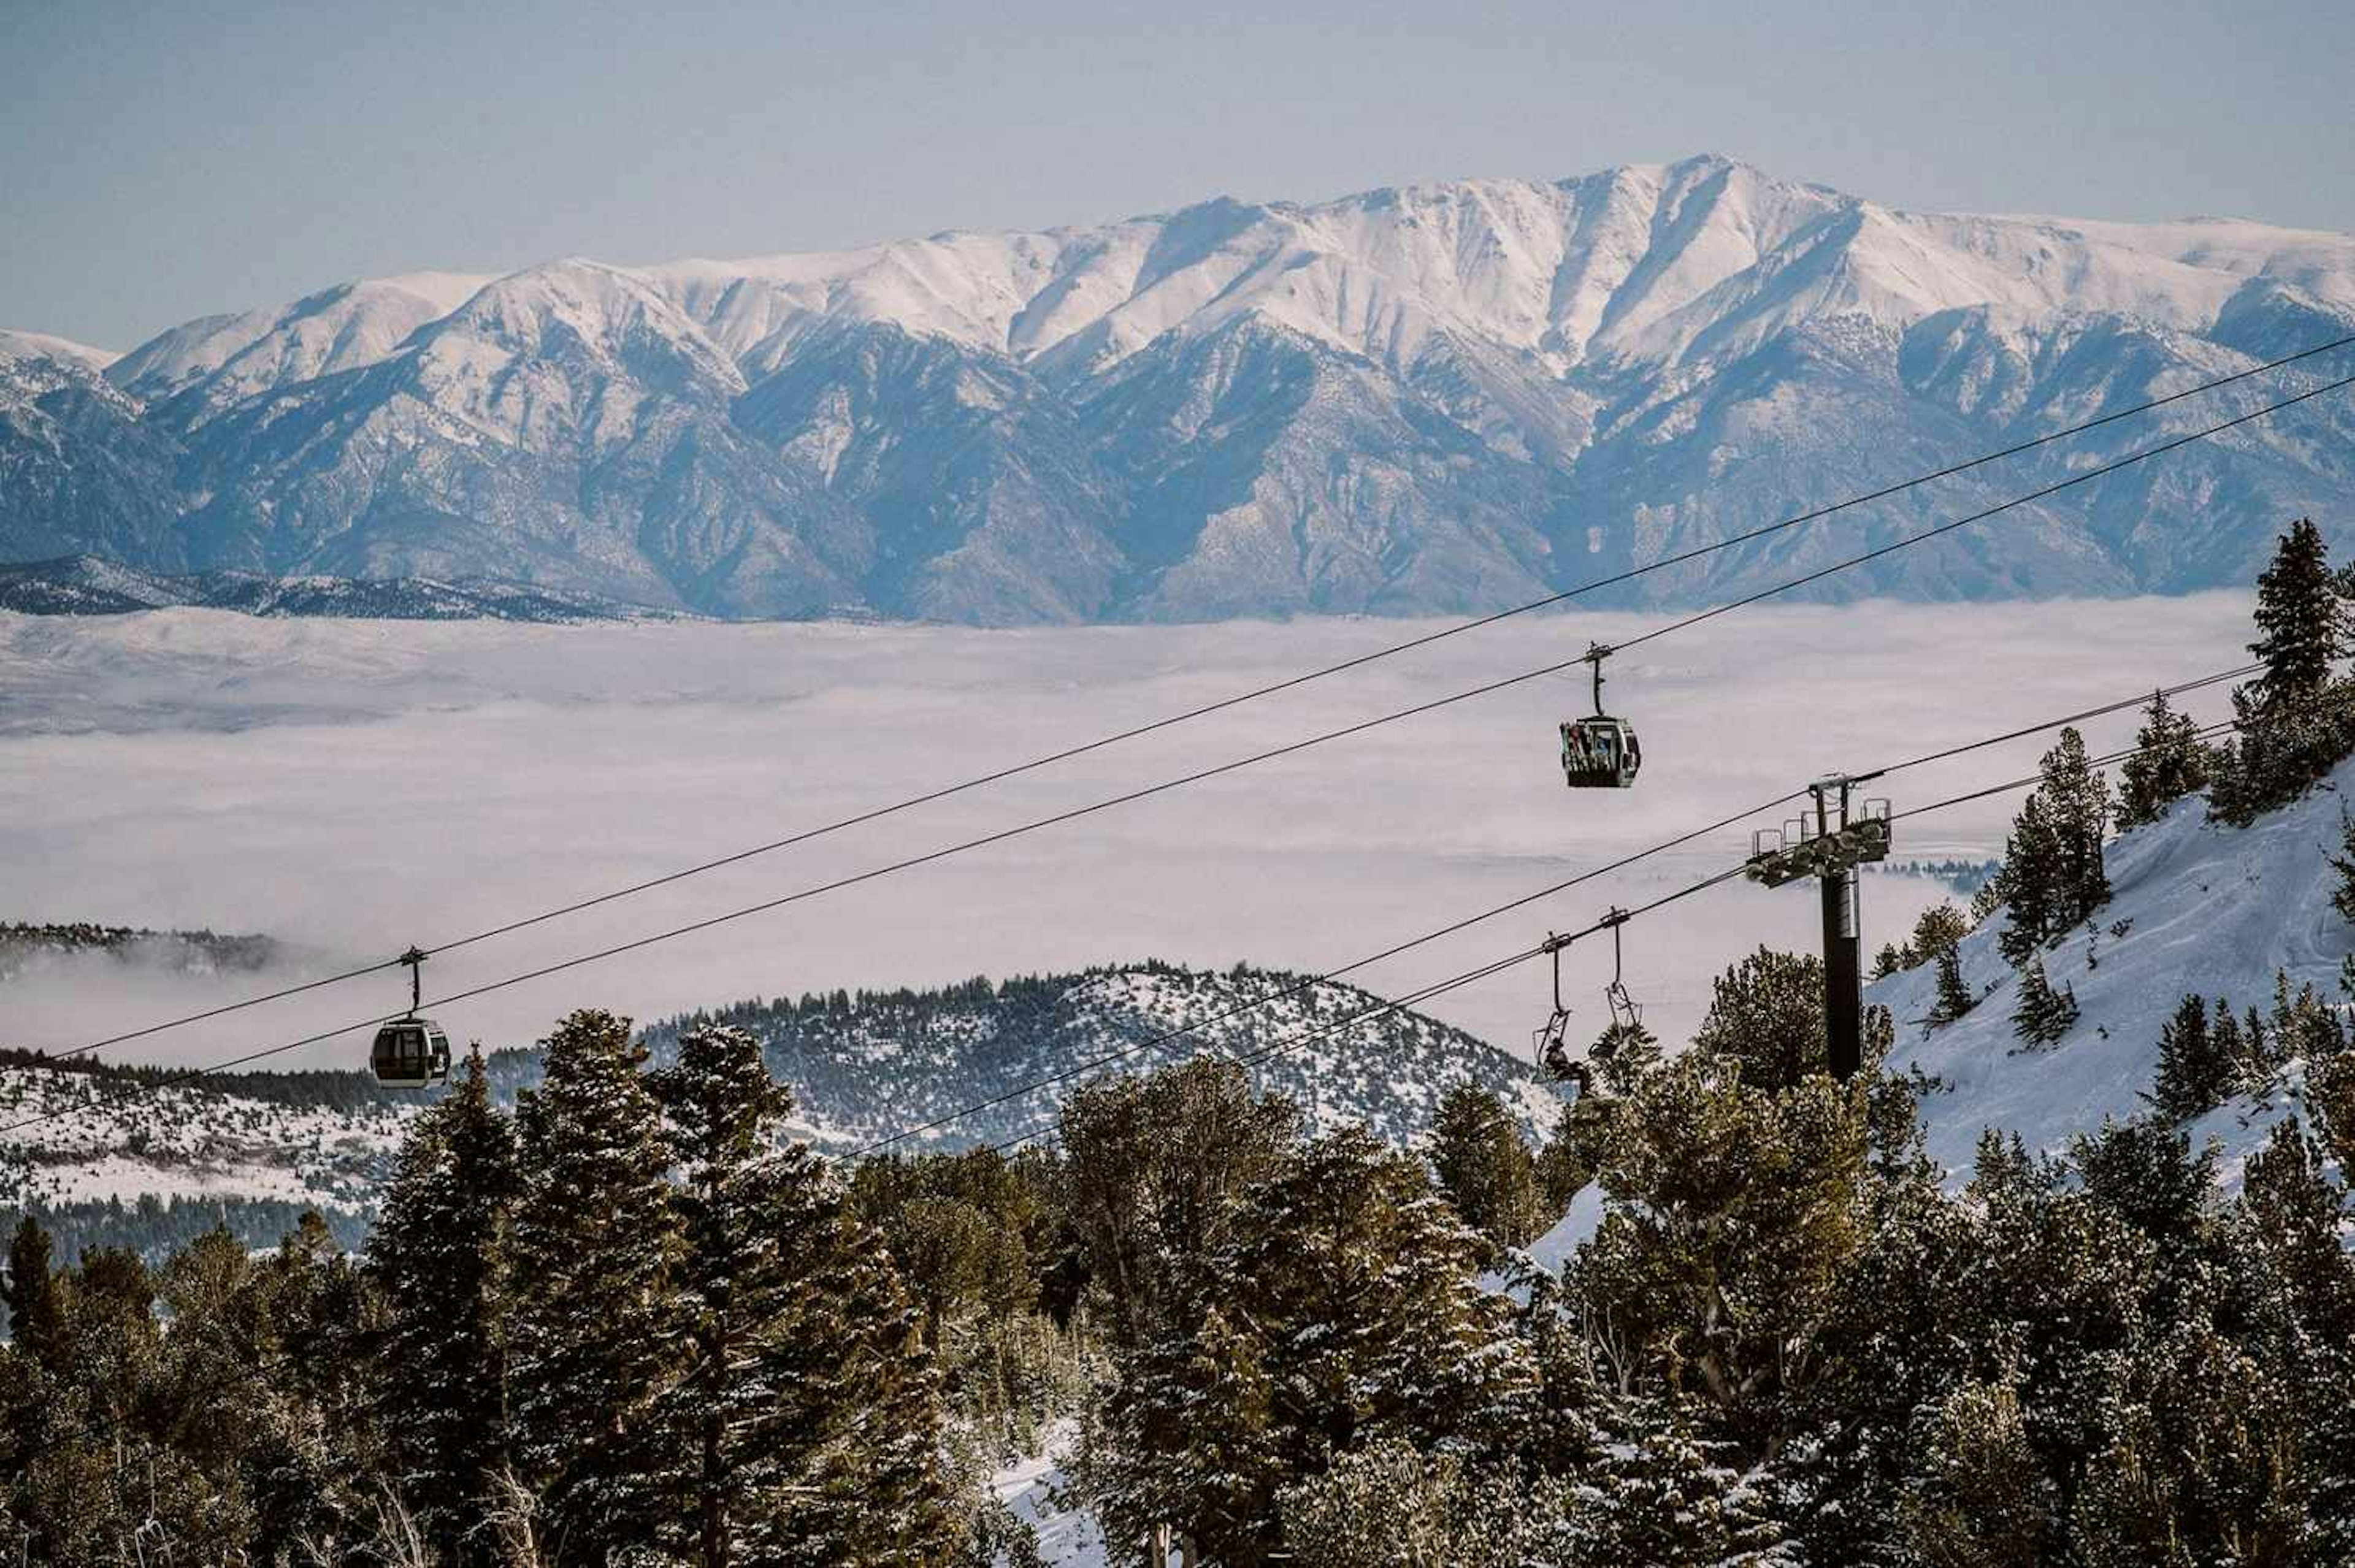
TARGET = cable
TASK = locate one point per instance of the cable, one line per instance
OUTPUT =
(1295, 989)
(1485, 971)
(1383, 1007)
(1150, 1041)
(1440, 987)
(1254, 694)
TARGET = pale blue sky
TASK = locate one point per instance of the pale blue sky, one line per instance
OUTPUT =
(163, 161)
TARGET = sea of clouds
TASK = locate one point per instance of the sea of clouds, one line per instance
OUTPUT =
(351, 787)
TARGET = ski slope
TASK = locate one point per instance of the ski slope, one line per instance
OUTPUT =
(2205, 908)
(2196, 906)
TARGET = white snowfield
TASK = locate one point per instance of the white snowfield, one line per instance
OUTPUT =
(2205, 909)
(1031, 1488)
(1649, 264)
(109, 1138)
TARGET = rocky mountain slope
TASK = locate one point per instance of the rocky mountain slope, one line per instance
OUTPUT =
(124, 1158)
(1434, 398)
(87, 585)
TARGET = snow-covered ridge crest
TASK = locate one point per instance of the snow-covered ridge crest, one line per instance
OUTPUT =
(1627, 261)
(1436, 399)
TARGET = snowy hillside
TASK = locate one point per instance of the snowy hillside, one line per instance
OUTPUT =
(2203, 908)
(1429, 399)
(863, 1066)
(858, 1067)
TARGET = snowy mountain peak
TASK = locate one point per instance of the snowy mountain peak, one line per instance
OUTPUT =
(1428, 398)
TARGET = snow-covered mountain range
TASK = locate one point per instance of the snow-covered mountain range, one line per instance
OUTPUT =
(1443, 398)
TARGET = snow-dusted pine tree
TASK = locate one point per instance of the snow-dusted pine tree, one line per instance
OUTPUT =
(2053, 876)
(598, 1319)
(2170, 762)
(1955, 997)
(1484, 1167)
(2193, 1077)
(440, 1255)
(2042, 1015)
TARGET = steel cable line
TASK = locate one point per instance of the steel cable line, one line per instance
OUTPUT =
(1470, 977)
(1290, 748)
(1455, 982)
(1239, 699)
(1295, 989)
(1164, 1037)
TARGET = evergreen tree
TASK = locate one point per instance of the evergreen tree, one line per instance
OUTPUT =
(1888, 961)
(1484, 1167)
(440, 1257)
(36, 1324)
(2294, 722)
(806, 1419)
(2170, 762)
(2042, 1015)
(1341, 1308)
(2031, 882)
(2302, 630)
(1673, 1493)
(1767, 1013)
(2193, 1078)
(2342, 897)
(722, 1107)
(1937, 929)
(2053, 876)
(1955, 997)
(598, 1314)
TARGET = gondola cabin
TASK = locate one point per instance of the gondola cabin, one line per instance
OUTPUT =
(410, 1053)
(1600, 752)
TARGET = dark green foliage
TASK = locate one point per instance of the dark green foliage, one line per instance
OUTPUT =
(1339, 1309)
(1485, 1169)
(2053, 878)
(598, 1316)
(2170, 762)
(440, 1259)
(2197, 1073)
(1767, 1013)
(2297, 720)
(1955, 997)
(1164, 1162)
(2302, 629)
(2342, 897)
(2041, 1015)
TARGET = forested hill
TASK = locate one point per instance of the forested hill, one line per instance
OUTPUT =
(130, 1156)
(867, 1064)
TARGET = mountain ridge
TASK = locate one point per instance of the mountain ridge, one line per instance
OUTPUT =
(103, 1145)
(1433, 398)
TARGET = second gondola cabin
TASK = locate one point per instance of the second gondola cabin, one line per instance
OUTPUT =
(1600, 752)
(410, 1053)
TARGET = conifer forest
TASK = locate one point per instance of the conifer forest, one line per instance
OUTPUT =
(632, 1320)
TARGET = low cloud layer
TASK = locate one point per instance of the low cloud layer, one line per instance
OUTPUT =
(353, 787)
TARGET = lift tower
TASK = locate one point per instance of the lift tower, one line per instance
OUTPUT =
(1829, 844)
